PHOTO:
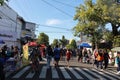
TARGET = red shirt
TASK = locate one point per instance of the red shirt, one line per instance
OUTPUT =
(68, 54)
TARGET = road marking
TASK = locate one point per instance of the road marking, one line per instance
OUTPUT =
(65, 74)
(111, 78)
(30, 75)
(86, 74)
(113, 71)
(75, 73)
(8, 73)
(54, 73)
(20, 73)
(43, 72)
(111, 74)
(99, 76)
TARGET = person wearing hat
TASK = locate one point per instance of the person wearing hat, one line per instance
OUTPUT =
(117, 59)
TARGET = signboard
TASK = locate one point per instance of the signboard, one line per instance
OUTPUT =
(25, 33)
(8, 35)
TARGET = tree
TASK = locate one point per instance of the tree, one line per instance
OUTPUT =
(43, 39)
(2, 1)
(89, 20)
(91, 16)
(55, 42)
(116, 41)
(63, 41)
(110, 10)
(73, 44)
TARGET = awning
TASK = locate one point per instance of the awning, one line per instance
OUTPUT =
(2, 42)
(32, 44)
(84, 44)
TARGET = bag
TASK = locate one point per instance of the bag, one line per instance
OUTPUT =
(99, 58)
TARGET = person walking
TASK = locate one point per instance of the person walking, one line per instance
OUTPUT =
(100, 59)
(94, 56)
(2, 74)
(85, 55)
(106, 58)
(56, 55)
(68, 56)
(80, 54)
(117, 60)
(49, 55)
(34, 59)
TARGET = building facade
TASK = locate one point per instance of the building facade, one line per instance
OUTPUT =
(12, 26)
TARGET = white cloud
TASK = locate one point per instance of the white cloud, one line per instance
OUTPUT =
(53, 22)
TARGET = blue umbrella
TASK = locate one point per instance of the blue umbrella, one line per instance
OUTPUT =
(85, 45)
(2, 42)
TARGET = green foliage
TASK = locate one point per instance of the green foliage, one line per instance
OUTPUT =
(55, 42)
(43, 39)
(2, 1)
(116, 41)
(91, 16)
(72, 45)
(110, 10)
(108, 36)
(63, 41)
(68, 46)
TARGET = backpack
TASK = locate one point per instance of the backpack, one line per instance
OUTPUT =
(100, 57)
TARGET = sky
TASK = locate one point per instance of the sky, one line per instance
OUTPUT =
(56, 14)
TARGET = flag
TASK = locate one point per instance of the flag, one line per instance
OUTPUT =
(25, 51)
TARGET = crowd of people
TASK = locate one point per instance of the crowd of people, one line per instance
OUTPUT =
(99, 57)
(52, 55)
(9, 57)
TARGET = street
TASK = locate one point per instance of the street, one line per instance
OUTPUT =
(77, 71)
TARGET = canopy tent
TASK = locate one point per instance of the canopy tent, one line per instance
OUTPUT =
(84, 44)
(32, 44)
(2, 42)
(116, 49)
(35, 44)
(42, 45)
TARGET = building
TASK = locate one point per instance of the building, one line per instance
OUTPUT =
(12, 27)
(28, 33)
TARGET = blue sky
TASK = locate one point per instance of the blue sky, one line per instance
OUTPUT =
(54, 13)
(40, 12)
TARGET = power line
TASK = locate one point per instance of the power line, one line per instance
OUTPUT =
(64, 4)
(19, 6)
(57, 8)
(38, 24)
(51, 31)
(54, 27)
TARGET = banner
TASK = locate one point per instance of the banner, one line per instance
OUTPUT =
(8, 35)
(25, 51)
